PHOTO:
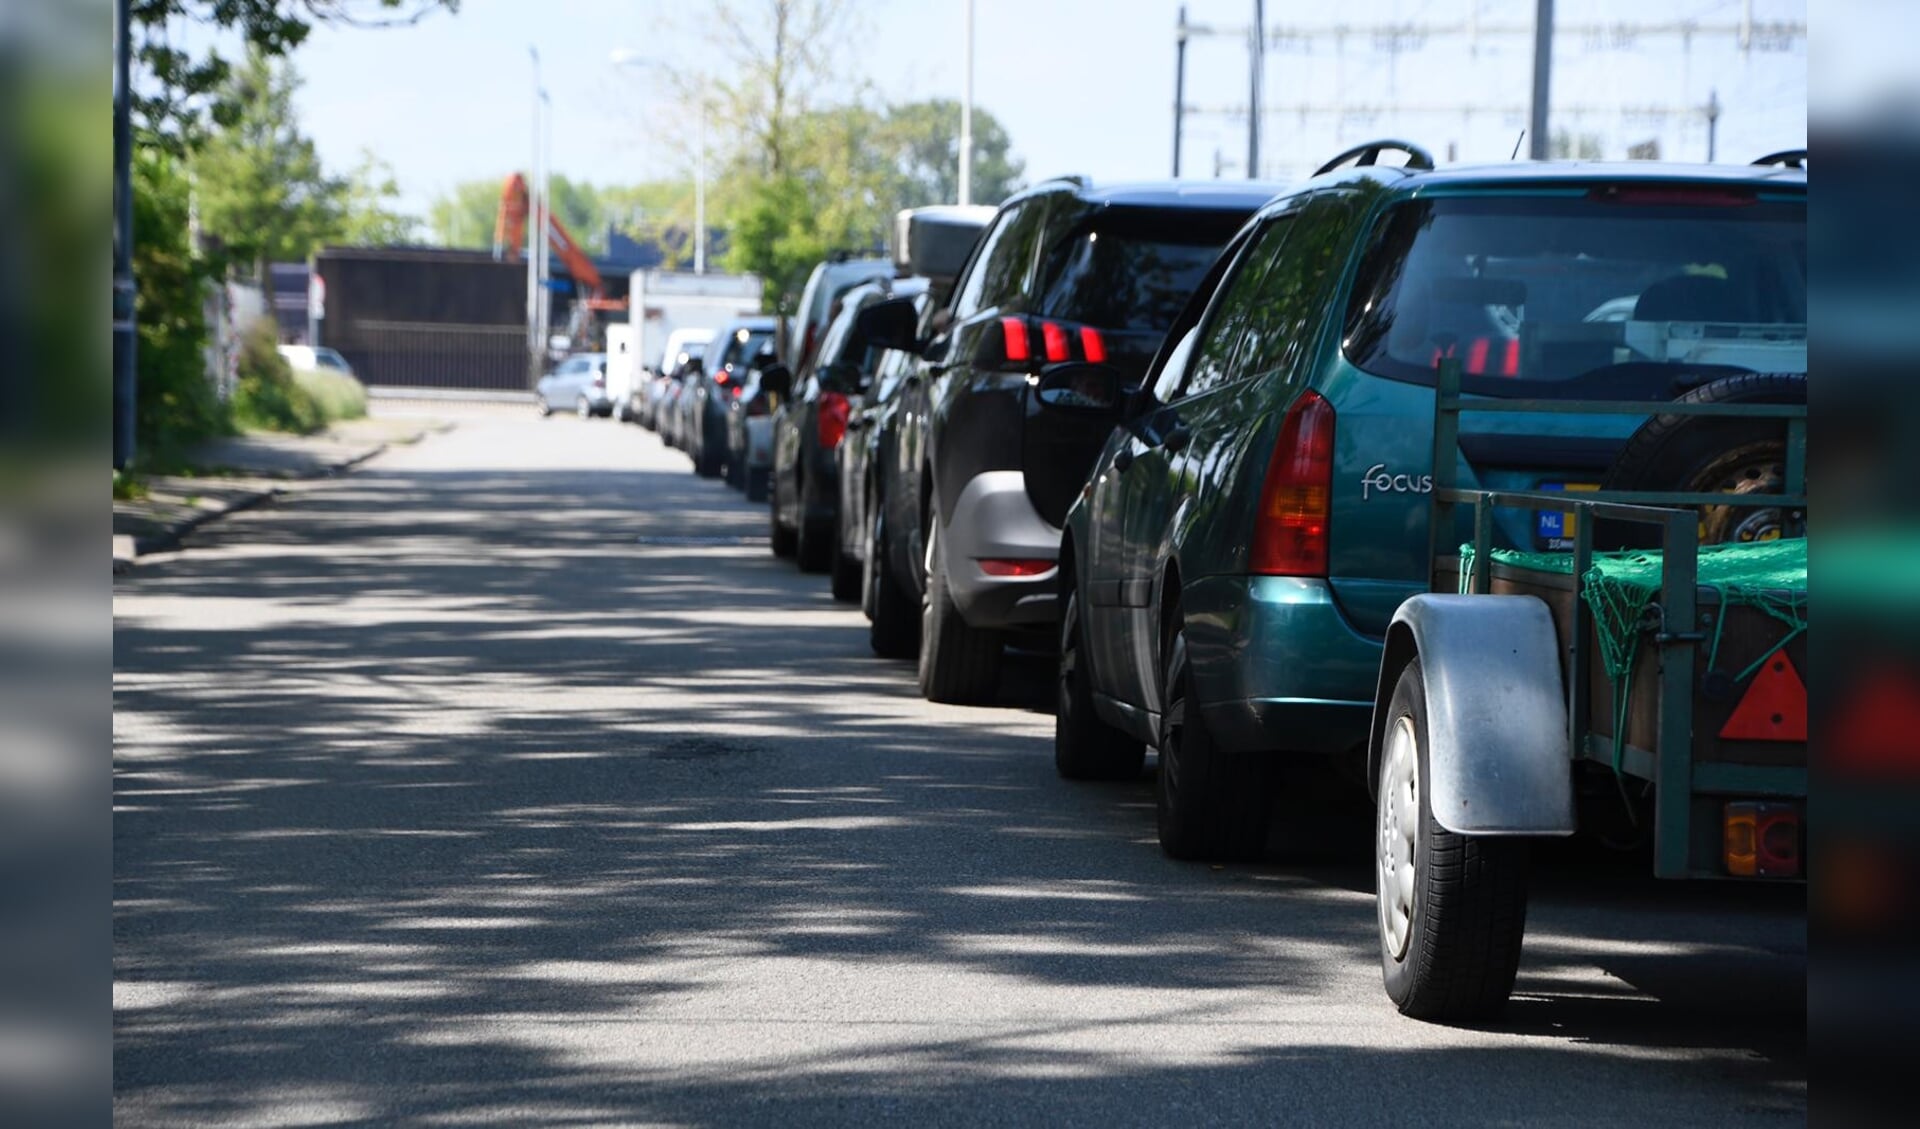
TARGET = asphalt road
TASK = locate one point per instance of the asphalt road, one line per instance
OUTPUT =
(510, 780)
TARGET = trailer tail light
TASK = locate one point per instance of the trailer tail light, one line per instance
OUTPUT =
(1290, 529)
(1762, 840)
(1015, 567)
(834, 409)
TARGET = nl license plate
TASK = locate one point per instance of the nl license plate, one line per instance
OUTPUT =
(1554, 530)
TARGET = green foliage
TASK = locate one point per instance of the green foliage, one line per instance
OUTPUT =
(923, 138)
(176, 403)
(337, 395)
(266, 396)
(464, 215)
(261, 190)
(366, 219)
(177, 91)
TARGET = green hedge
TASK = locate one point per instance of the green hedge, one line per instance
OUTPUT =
(338, 395)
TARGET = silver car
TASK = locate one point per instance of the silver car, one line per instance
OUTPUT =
(579, 383)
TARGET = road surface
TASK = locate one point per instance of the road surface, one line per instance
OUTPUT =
(510, 780)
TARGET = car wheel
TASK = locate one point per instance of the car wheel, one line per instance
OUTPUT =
(583, 408)
(1452, 908)
(540, 402)
(706, 462)
(815, 552)
(847, 573)
(959, 663)
(1210, 805)
(780, 538)
(1085, 747)
(895, 630)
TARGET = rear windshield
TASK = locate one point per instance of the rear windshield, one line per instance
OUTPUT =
(1132, 272)
(738, 348)
(1599, 294)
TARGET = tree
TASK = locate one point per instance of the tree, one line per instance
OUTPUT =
(177, 91)
(926, 136)
(367, 220)
(176, 401)
(260, 186)
(463, 216)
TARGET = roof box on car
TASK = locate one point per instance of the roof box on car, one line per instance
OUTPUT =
(935, 241)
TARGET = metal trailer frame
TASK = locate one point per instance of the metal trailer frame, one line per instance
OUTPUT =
(1676, 778)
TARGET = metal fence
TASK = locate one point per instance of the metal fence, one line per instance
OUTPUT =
(426, 317)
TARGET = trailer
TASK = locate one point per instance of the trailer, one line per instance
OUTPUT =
(1657, 686)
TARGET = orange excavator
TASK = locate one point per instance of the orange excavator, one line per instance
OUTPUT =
(510, 230)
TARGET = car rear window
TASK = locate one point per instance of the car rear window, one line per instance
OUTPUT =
(1135, 271)
(739, 347)
(1615, 291)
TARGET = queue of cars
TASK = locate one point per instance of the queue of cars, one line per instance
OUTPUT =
(1182, 436)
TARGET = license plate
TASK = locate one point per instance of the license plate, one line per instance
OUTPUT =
(1554, 529)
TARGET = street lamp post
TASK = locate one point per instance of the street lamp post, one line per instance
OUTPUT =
(536, 231)
(623, 57)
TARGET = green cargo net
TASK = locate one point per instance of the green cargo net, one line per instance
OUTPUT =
(1619, 588)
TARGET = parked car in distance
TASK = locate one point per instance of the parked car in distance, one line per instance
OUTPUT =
(682, 346)
(1231, 570)
(578, 383)
(825, 286)
(974, 502)
(808, 429)
(750, 425)
(870, 445)
(703, 406)
(312, 357)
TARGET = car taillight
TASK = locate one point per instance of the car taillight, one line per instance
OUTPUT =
(1056, 340)
(1093, 345)
(1290, 529)
(1016, 566)
(1023, 344)
(834, 409)
(1014, 330)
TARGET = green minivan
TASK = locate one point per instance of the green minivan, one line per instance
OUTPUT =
(1232, 565)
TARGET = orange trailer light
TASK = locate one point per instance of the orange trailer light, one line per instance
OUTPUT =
(1761, 840)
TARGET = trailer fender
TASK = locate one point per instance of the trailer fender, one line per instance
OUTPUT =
(1497, 756)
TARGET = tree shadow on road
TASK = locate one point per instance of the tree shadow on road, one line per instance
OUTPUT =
(455, 797)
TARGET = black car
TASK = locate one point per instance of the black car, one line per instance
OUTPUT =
(722, 372)
(807, 431)
(973, 502)
(872, 444)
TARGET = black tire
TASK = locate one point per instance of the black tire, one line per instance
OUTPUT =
(959, 663)
(1085, 747)
(1704, 454)
(847, 574)
(1210, 805)
(735, 473)
(816, 548)
(895, 630)
(757, 484)
(779, 538)
(1456, 958)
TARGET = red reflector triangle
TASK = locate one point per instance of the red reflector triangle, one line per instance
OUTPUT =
(1774, 708)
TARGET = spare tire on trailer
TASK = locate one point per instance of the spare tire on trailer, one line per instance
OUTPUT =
(1708, 454)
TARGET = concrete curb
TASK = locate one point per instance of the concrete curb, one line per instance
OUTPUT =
(129, 548)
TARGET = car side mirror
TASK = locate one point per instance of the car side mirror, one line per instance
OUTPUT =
(1082, 388)
(776, 380)
(891, 324)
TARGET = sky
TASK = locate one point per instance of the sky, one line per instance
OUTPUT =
(1083, 86)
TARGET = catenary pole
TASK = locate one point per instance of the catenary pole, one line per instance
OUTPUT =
(1537, 139)
(966, 117)
(1179, 84)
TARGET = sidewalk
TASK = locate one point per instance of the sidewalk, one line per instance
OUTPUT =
(245, 470)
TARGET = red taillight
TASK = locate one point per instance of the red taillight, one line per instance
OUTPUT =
(1020, 566)
(1015, 332)
(1093, 345)
(1055, 339)
(834, 408)
(1290, 530)
(722, 378)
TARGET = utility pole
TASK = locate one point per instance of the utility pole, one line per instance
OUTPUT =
(966, 117)
(1256, 59)
(534, 232)
(125, 338)
(546, 225)
(1537, 139)
(700, 195)
(1713, 124)
(1179, 84)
